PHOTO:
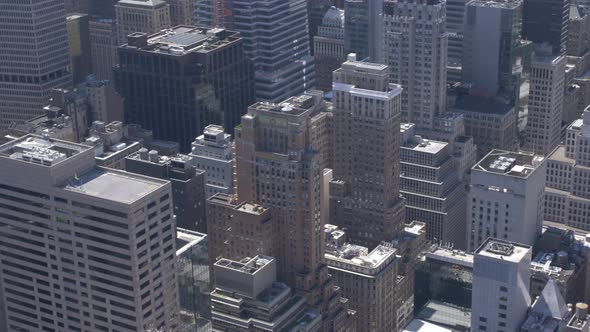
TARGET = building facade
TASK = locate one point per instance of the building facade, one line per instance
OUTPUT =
(546, 101)
(213, 153)
(566, 196)
(500, 299)
(175, 83)
(431, 185)
(506, 198)
(147, 16)
(35, 62)
(364, 194)
(78, 26)
(103, 47)
(78, 255)
(546, 21)
(362, 29)
(415, 49)
(329, 51)
(181, 12)
(278, 47)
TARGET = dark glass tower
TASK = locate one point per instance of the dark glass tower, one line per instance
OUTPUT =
(178, 81)
(546, 21)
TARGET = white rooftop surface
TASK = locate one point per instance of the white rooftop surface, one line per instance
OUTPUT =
(190, 238)
(452, 256)
(427, 146)
(417, 325)
(516, 254)
(114, 186)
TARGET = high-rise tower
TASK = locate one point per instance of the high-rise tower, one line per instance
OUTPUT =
(35, 57)
(364, 194)
(415, 49)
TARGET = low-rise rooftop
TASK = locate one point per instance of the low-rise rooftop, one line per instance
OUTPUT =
(42, 151)
(503, 250)
(477, 104)
(516, 164)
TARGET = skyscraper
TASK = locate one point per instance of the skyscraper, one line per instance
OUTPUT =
(279, 168)
(501, 278)
(103, 47)
(362, 28)
(455, 24)
(501, 49)
(179, 81)
(415, 49)
(329, 51)
(505, 198)
(213, 153)
(364, 195)
(546, 21)
(181, 12)
(79, 42)
(546, 97)
(34, 62)
(148, 16)
(84, 248)
(276, 39)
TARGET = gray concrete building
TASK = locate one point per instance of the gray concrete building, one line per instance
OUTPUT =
(506, 198)
(188, 184)
(84, 248)
(430, 183)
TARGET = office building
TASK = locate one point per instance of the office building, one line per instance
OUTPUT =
(188, 184)
(248, 297)
(112, 143)
(181, 12)
(102, 8)
(194, 285)
(213, 153)
(564, 269)
(546, 99)
(501, 50)
(103, 47)
(281, 170)
(177, 104)
(329, 51)
(505, 198)
(316, 10)
(33, 63)
(546, 21)
(364, 194)
(147, 16)
(77, 6)
(567, 193)
(83, 245)
(230, 224)
(106, 105)
(415, 49)
(493, 123)
(362, 29)
(78, 26)
(578, 31)
(276, 40)
(501, 275)
(203, 14)
(455, 23)
(367, 278)
(432, 188)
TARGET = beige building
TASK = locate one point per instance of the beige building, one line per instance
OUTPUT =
(567, 194)
(368, 279)
(148, 16)
(546, 101)
(279, 168)
(364, 195)
(84, 248)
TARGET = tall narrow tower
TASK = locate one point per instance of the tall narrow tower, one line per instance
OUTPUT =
(35, 58)
(364, 194)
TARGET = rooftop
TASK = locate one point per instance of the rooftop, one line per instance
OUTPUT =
(116, 186)
(42, 151)
(446, 314)
(419, 144)
(185, 239)
(417, 325)
(141, 3)
(359, 256)
(252, 208)
(456, 257)
(477, 104)
(506, 4)
(502, 250)
(516, 164)
(250, 266)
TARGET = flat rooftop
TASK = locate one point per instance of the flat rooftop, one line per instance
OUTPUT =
(252, 208)
(41, 151)
(186, 239)
(141, 3)
(477, 104)
(358, 255)
(517, 164)
(451, 256)
(249, 267)
(559, 155)
(445, 314)
(117, 186)
(507, 4)
(417, 325)
(502, 250)
(420, 144)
